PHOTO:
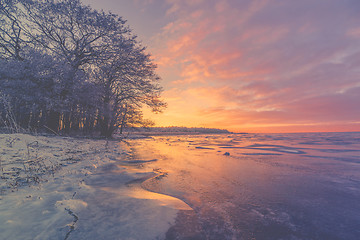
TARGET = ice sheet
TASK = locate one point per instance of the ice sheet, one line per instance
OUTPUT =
(271, 186)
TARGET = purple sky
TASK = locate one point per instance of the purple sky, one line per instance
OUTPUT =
(254, 65)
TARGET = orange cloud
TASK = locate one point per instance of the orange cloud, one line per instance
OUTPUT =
(260, 65)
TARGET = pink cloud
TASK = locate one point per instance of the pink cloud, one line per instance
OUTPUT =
(265, 62)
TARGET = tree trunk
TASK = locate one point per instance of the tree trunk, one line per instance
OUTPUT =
(123, 121)
(53, 120)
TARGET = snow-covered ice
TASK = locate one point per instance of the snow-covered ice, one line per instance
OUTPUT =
(87, 196)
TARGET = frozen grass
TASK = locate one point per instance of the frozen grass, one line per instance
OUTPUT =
(22, 164)
(27, 160)
(8, 122)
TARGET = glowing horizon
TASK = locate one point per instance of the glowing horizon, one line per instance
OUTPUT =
(252, 66)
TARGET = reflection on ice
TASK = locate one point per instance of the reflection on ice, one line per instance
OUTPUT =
(277, 186)
(162, 199)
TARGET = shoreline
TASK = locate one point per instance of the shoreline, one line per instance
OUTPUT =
(92, 181)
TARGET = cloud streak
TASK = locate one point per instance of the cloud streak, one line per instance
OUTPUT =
(263, 62)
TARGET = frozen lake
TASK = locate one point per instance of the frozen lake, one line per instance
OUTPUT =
(236, 186)
(276, 186)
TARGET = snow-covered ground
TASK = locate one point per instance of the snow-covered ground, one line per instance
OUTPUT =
(66, 188)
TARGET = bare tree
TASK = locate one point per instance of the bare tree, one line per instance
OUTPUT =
(11, 32)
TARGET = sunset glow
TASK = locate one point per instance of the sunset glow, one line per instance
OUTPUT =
(252, 65)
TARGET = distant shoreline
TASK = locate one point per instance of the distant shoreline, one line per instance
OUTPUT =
(155, 131)
(172, 133)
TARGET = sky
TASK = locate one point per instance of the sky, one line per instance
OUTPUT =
(252, 65)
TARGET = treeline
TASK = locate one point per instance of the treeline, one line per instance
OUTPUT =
(66, 67)
(177, 130)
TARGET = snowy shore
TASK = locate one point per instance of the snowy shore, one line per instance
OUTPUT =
(66, 188)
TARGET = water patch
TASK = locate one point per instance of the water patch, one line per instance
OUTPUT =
(208, 148)
(139, 161)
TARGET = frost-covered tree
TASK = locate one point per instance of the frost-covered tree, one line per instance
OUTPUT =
(128, 81)
(85, 69)
(11, 32)
(75, 34)
(31, 85)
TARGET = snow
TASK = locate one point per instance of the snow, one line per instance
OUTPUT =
(86, 196)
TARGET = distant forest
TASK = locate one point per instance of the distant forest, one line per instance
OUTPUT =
(177, 130)
(67, 68)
